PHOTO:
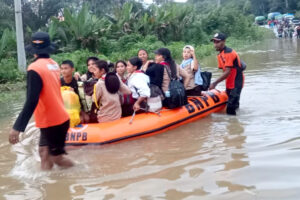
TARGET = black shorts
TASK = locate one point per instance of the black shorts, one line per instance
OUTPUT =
(54, 137)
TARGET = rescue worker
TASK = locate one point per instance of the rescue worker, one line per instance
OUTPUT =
(229, 62)
(45, 101)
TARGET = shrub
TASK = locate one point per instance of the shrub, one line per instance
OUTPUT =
(78, 57)
(9, 71)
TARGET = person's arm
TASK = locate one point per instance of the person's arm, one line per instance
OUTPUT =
(186, 78)
(145, 67)
(137, 104)
(142, 87)
(98, 93)
(34, 88)
(83, 77)
(124, 89)
(195, 61)
(143, 91)
(77, 76)
(221, 78)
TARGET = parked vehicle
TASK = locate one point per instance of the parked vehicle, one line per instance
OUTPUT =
(271, 16)
(260, 20)
(296, 21)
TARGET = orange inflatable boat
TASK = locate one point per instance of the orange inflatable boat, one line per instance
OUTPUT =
(146, 124)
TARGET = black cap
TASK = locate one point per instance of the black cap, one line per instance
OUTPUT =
(40, 44)
(219, 37)
(163, 51)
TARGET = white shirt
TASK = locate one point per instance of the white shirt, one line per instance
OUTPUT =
(138, 83)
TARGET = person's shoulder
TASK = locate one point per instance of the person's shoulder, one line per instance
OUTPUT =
(228, 50)
(31, 66)
(62, 81)
(74, 81)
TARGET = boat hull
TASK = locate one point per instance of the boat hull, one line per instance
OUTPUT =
(147, 124)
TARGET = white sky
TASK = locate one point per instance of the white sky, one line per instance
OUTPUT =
(150, 1)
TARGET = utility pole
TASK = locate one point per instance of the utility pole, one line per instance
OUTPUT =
(218, 3)
(286, 4)
(20, 37)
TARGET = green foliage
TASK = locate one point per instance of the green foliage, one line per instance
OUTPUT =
(9, 71)
(7, 44)
(120, 28)
(79, 30)
(78, 57)
(149, 43)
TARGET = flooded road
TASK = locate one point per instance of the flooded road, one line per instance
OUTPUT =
(255, 155)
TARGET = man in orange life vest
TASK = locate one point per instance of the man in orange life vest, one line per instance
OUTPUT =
(229, 62)
(45, 101)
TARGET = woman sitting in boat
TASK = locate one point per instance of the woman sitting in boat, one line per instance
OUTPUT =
(126, 99)
(144, 56)
(138, 82)
(86, 84)
(191, 66)
(163, 57)
(120, 70)
(90, 62)
(106, 96)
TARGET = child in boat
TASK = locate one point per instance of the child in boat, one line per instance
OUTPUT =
(138, 82)
(191, 66)
(120, 70)
(90, 62)
(106, 96)
(126, 99)
(67, 79)
(86, 84)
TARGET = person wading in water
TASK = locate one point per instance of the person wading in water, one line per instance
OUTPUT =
(230, 63)
(45, 101)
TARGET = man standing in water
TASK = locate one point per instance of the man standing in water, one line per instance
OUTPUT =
(229, 62)
(44, 99)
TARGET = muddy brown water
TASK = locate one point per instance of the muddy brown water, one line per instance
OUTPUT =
(255, 155)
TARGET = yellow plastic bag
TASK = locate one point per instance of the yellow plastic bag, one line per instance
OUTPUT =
(72, 105)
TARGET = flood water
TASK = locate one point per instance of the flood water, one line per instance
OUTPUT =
(255, 155)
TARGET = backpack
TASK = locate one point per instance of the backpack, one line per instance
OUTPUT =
(243, 65)
(177, 96)
(206, 77)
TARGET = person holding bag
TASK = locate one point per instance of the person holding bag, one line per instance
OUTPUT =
(172, 87)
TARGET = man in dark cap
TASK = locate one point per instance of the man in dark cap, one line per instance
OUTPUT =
(45, 101)
(229, 62)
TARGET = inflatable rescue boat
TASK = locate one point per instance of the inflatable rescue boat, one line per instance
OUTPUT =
(147, 124)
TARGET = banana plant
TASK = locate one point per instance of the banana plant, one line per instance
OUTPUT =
(80, 30)
(8, 44)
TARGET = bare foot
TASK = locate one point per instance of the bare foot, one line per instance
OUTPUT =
(62, 161)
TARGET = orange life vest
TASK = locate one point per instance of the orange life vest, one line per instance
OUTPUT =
(50, 110)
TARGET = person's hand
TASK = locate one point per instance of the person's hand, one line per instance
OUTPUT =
(150, 61)
(13, 136)
(212, 86)
(77, 76)
(145, 67)
(193, 53)
(136, 106)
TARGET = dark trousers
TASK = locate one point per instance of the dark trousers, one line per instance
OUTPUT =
(233, 100)
(195, 91)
